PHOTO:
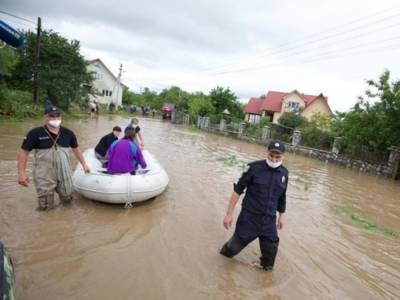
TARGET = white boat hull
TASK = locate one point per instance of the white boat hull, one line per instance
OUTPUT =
(122, 188)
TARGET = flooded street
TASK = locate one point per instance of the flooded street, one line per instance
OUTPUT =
(167, 248)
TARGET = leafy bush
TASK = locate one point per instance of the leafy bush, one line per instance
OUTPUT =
(263, 121)
(18, 103)
(292, 120)
(316, 138)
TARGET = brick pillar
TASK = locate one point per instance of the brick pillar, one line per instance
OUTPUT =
(394, 162)
(186, 119)
(336, 145)
(266, 133)
(222, 124)
(241, 129)
(206, 122)
(296, 139)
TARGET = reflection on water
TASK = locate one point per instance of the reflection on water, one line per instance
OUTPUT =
(340, 240)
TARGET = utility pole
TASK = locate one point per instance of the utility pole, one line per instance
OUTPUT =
(36, 62)
(119, 81)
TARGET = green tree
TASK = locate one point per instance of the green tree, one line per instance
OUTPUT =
(292, 120)
(149, 98)
(316, 132)
(374, 121)
(63, 77)
(224, 98)
(8, 61)
(13, 102)
(201, 105)
(129, 97)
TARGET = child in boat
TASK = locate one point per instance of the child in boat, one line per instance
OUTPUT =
(125, 155)
(139, 138)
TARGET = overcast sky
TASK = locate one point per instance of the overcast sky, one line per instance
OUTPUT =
(249, 46)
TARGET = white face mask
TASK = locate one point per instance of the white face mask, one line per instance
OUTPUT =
(272, 164)
(55, 123)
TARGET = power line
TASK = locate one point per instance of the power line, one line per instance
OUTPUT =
(283, 47)
(9, 20)
(376, 50)
(304, 47)
(329, 54)
(21, 18)
(344, 24)
(305, 52)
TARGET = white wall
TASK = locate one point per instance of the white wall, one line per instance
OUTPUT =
(104, 80)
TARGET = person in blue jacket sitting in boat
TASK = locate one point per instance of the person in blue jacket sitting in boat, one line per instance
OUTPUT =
(125, 155)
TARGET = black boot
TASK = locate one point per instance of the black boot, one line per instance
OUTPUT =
(226, 251)
(232, 247)
(268, 251)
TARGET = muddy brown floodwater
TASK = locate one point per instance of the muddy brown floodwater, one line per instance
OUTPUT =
(341, 240)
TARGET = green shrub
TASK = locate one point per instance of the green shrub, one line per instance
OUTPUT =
(18, 104)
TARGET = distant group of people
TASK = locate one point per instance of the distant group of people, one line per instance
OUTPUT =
(122, 155)
(147, 110)
(264, 183)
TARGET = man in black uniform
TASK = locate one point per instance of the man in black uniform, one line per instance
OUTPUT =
(105, 142)
(265, 182)
(51, 171)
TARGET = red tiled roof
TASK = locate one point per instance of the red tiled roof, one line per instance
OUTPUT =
(253, 106)
(273, 102)
(89, 62)
(309, 98)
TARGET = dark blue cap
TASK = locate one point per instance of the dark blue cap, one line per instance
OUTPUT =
(276, 146)
(51, 109)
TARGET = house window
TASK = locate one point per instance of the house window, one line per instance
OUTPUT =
(103, 93)
(110, 93)
(98, 76)
(292, 106)
(106, 92)
(255, 119)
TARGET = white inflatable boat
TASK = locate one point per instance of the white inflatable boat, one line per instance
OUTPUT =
(122, 188)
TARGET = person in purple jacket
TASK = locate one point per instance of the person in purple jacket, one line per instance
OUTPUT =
(124, 155)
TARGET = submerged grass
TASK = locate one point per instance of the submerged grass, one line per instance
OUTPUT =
(233, 161)
(300, 178)
(356, 218)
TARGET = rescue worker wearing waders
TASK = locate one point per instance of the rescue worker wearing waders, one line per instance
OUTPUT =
(51, 170)
(265, 183)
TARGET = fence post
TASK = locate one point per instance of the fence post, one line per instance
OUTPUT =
(241, 129)
(222, 124)
(173, 117)
(199, 121)
(206, 122)
(394, 162)
(266, 133)
(296, 139)
(186, 119)
(336, 145)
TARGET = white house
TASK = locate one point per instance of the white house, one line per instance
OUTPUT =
(106, 84)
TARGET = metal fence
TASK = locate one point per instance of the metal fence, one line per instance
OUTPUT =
(313, 143)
